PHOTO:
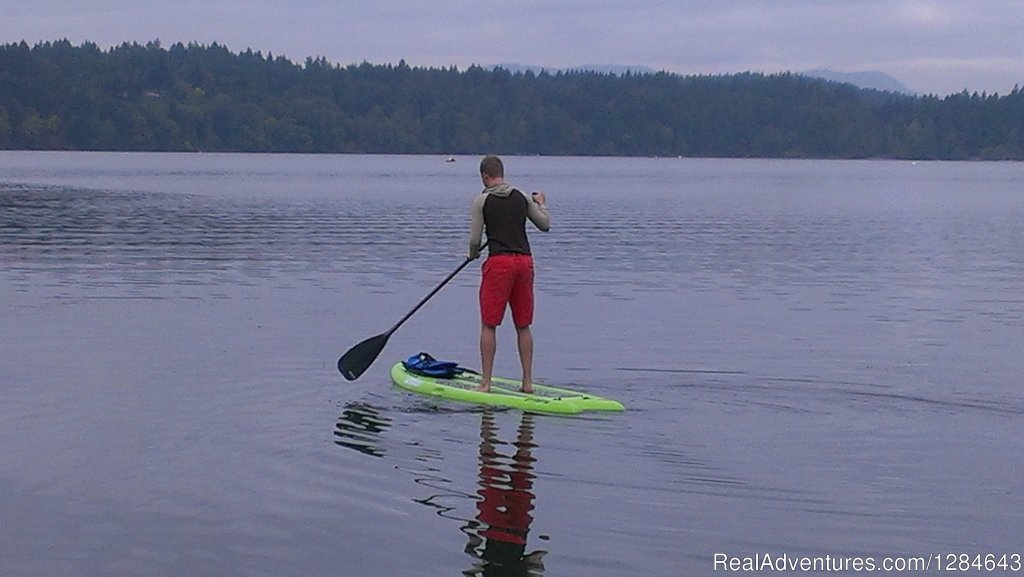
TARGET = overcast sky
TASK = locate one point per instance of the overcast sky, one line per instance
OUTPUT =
(932, 46)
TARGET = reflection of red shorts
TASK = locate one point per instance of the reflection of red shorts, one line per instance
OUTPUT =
(507, 280)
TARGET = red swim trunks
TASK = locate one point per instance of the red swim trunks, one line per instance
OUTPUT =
(507, 280)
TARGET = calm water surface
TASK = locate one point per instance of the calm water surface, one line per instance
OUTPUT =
(818, 358)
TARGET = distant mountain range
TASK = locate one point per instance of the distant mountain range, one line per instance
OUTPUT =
(869, 79)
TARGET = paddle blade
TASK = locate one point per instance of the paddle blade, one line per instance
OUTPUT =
(360, 357)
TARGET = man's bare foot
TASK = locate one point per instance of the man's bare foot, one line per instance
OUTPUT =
(528, 389)
(483, 387)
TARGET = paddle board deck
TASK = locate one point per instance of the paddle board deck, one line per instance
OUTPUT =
(503, 393)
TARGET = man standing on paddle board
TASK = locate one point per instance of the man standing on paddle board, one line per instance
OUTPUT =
(501, 212)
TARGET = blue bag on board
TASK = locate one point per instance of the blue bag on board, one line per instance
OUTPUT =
(428, 366)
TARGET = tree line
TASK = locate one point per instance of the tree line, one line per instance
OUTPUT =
(59, 96)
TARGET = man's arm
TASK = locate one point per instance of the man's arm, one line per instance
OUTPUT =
(476, 226)
(538, 212)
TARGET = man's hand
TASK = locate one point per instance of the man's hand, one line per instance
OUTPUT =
(539, 197)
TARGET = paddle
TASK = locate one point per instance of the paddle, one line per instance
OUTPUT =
(360, 357)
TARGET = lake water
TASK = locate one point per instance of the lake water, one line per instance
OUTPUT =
(818, 359)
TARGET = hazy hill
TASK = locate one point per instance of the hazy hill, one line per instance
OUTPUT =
(870, 79)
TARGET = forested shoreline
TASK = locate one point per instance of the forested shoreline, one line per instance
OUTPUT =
(60, 96)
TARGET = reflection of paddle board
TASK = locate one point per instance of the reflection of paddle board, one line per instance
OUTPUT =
(503, 393)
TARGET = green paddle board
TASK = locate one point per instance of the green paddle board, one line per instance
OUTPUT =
(503, 393)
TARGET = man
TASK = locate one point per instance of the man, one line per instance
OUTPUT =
(501, 212)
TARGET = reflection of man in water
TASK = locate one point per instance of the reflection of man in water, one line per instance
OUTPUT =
(503, 512)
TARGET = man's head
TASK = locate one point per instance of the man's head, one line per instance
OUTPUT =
(492, 170)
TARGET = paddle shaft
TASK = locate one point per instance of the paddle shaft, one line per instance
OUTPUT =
(427, 298)
(359, 358)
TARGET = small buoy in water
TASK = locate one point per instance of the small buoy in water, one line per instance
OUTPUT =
(450, 159)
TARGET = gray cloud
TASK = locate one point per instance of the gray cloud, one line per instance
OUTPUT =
(937, 46)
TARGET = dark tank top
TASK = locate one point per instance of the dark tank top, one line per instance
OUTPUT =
(505, 223)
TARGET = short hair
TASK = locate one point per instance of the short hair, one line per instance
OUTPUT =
(492, 166)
